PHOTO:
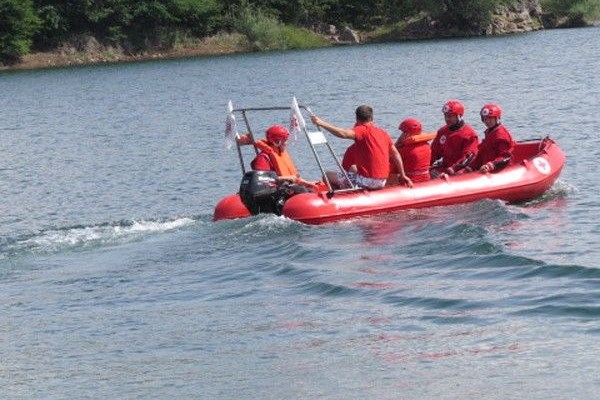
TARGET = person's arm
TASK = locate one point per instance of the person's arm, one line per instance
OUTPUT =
(261, 163)
(436, 151)
(335, 130)
(504, 154)
(469, 152)
(295, 179)
(400, 166)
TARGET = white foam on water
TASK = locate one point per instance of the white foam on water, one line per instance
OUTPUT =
(53, 240)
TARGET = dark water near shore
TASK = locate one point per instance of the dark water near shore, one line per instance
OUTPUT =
(115, 283)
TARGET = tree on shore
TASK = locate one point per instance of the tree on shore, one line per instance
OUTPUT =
(17, 25)
(573, 9)
(145, 25)
(136, 24)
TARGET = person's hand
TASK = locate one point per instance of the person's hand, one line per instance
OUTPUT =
(405, 179)
(487, 167)
(290, 179)
(244, 139)
(444, 176)
(315, 120)
(312, 185)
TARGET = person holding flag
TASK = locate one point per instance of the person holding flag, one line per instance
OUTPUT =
(373, 152)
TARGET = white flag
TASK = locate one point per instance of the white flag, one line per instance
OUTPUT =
(231, 133)
(297, 123)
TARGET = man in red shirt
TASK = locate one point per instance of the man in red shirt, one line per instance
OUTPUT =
(455, 144)
(495, 151)
(372, 153)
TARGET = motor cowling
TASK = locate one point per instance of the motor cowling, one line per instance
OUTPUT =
(258, 191)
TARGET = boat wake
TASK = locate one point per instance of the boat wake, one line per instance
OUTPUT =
(559, 190)
(83, 237)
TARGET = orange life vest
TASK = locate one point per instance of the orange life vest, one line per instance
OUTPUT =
(282, 162)
(418, 138)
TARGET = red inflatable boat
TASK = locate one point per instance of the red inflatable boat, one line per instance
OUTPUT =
(535, 167)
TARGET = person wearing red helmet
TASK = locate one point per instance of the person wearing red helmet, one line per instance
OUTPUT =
(415, 151)
(455, 144)
(495, 150)
(273, 156)
(372, 153)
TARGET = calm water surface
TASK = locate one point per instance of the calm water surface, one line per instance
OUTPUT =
(115, 283)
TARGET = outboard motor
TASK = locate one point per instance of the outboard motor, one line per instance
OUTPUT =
(259, 190)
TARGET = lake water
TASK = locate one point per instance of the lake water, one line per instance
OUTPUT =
(115, 282)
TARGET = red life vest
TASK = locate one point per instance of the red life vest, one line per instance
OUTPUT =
(281, 162)
(415, 153)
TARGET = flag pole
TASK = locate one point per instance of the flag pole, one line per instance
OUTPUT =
(296, 108)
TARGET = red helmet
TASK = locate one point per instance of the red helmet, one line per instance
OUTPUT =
(454, 107)
(490, 110)
(277, 132)
(412, 126)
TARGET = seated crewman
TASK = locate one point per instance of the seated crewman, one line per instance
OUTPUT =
(495, 150)
(273, 156)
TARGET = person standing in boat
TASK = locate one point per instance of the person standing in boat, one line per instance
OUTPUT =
(372, 153)
(273, 156)
(455, 144)
(415, 151)
(495, 150)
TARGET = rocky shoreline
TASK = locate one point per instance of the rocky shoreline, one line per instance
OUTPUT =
(520, 17)
(85, 50)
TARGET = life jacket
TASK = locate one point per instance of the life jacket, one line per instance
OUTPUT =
(416, 153)
(421, 137)
(282, 162)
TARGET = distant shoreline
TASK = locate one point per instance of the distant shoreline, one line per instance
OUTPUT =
(73, 58)
(212, 46)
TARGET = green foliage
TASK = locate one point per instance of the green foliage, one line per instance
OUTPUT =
(300, 38)
(17, 25)
(137, 24)
(268, 24)
(470, 14)
(60, 20)
(589, 9)
(388, 32)
(199, 17)
(265, 32)
(153, 23)
(261, 30)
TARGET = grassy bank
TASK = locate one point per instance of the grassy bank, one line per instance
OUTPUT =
(250, 28)
(68, 55)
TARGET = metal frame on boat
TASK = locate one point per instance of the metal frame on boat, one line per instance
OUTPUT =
(314, 138)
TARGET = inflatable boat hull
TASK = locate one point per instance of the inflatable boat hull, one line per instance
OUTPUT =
(524, 181)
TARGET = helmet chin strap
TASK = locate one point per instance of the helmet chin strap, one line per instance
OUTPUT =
(458, 124)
